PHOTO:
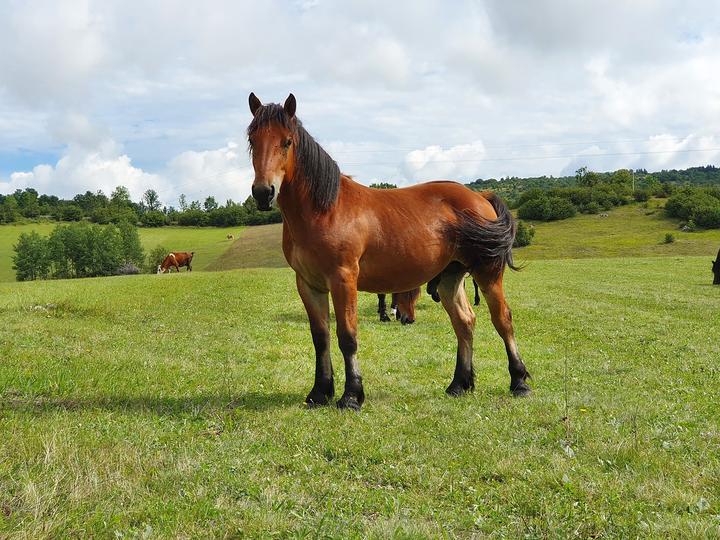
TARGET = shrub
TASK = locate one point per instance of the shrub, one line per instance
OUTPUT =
(534, 209)
(70, 212)
(592, 208)
(153, 218)
(127, 269)
(669, 238)
(524, 235)
(699, 205)
(641, 195)
(707, 216)
(154, 258)
(196, 218)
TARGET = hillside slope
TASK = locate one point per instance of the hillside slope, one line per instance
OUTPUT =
(628, 231)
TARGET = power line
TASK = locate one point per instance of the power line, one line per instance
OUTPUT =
(535, 158)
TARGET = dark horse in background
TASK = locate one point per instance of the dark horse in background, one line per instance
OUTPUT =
(332, 238)
(402, 305)
(716, 269)
(176, 259)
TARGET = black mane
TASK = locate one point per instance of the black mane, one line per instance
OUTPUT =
(318, 171)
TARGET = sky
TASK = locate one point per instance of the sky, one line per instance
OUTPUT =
(154, 94)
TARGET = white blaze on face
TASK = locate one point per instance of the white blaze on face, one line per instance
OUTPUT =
(276, 183)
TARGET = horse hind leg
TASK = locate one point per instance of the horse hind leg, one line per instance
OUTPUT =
(502, 320)
(451, 289)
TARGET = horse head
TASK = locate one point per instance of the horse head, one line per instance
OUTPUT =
(272, 136)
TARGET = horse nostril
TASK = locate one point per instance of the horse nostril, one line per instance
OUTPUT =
(264, 195)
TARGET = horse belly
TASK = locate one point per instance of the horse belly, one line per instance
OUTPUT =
(398, 271)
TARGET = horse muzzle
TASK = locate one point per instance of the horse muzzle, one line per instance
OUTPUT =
(264, 195)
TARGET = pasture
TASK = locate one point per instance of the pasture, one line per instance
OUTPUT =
(171, 406)
(207, 242)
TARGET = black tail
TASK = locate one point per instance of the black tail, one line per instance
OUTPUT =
(485, 243)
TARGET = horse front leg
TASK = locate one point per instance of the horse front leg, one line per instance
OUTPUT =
(318, 311)
(344, 296)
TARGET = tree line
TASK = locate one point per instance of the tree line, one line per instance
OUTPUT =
(661, 183)
(98, 208)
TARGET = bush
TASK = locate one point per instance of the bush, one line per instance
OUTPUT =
(547, 209)
(707, 216)
(669, 238)
(153, 218)
(696, 204)
(592, 208)
(524, 235)
(70, 212)
(196, 218)
(641, 195)
(127, 269)
(155, 258)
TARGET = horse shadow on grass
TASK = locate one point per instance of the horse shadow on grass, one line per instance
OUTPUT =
(180, 406)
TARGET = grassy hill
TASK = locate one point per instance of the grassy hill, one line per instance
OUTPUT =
(628, 231)
(171, 406)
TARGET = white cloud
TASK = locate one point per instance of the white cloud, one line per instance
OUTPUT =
(225, 173)
(434, 163)
(80, 170)
(169, 83)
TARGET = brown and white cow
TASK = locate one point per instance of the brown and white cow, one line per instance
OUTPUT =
(176, 259)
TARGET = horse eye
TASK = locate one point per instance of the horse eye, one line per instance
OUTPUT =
(287, 143)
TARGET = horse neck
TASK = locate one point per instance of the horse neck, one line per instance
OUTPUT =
(296, 205)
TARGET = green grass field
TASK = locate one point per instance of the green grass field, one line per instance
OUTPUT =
(208, 243)
(171, 407)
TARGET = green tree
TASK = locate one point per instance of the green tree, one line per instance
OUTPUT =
(31, 260)
(182, 201)
(210, 204)
(120, 196)
(151, 200)
(132, 247)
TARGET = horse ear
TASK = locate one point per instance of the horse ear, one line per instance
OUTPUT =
(255, 103)
(290, 106)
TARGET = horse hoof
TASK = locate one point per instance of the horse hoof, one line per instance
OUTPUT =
(349, 402)
(384, 318)
(456, 390)
(520, 390)
(317, 399)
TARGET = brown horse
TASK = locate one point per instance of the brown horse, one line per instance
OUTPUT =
(176, 259)
(716, 269)
(402, 304)
(334, 238)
